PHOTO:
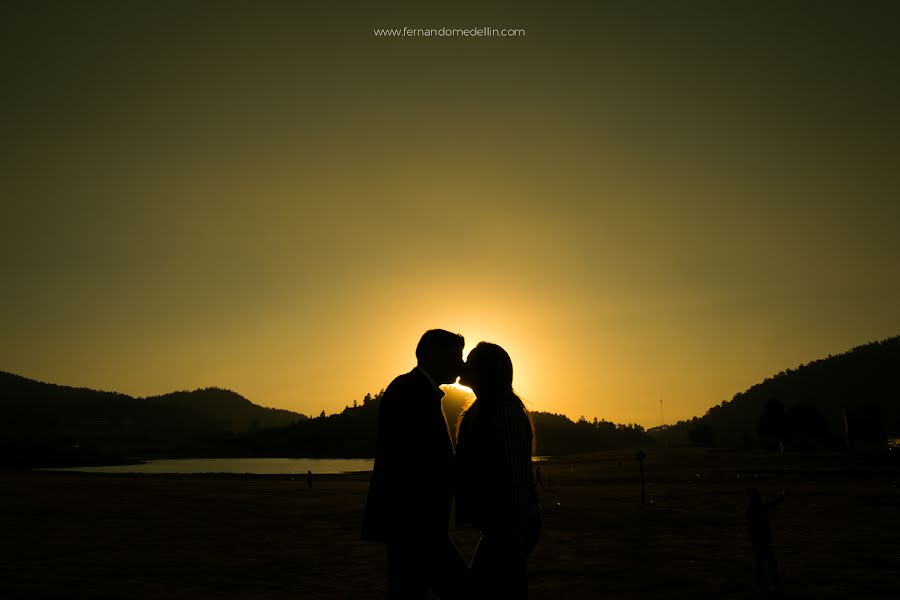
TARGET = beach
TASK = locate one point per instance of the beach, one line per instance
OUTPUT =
(78, 535)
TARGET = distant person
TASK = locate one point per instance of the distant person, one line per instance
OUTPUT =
(538, 481)
(496, 493)
(408, 505)
(761, 538)
(309, 479)
(640, 456)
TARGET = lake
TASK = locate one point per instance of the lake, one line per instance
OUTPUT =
(241, 466)
(252, 466)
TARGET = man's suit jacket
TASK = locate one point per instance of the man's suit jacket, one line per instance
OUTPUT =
(412, 479)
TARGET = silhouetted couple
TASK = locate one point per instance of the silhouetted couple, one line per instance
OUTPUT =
(416, 474)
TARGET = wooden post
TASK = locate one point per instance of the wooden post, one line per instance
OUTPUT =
(640, 456)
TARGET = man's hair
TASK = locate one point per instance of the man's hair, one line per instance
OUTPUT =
(435, 341)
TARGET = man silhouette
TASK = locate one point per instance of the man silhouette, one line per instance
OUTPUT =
(408, 506)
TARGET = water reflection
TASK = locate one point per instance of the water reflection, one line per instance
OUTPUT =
(252, 466)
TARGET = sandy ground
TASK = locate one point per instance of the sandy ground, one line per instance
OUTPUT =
(68, 535)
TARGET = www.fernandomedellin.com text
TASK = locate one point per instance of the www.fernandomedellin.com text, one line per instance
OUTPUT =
(449, 32)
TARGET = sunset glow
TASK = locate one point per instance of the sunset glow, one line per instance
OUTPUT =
(635, 204)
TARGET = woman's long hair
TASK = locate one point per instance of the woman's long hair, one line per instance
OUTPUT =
(489, 371)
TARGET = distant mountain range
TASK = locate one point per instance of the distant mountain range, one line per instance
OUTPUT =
(805, 408)
(43, 422)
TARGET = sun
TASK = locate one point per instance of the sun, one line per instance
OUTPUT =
(513, 330)
(523, 377)
(460, 389)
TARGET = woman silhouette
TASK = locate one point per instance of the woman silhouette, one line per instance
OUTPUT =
(495, 491)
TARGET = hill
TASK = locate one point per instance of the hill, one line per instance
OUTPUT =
(46, 423)
(805, 408)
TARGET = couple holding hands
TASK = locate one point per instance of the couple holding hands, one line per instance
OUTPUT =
(417, 474)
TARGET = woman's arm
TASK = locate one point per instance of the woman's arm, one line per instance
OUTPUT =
(515, 477)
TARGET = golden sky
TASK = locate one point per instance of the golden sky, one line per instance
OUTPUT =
(639, 200)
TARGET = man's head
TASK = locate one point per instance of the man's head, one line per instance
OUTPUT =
(440, 353)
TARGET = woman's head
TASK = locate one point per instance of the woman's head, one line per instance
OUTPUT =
(488, 369)
(489, 372)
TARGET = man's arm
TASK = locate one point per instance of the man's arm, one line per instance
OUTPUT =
(398, 438)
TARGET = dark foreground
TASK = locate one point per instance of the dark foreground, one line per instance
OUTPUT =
(100, 536)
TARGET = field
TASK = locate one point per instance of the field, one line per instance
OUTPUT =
(67, 535)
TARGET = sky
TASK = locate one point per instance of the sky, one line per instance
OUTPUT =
(641, 201)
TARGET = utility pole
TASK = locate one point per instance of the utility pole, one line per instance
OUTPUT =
(662, 421)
